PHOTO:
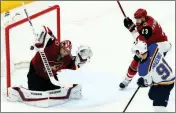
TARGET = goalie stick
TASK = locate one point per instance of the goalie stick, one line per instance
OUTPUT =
(29, 20)
(42, 53)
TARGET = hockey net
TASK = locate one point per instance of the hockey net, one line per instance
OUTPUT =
(18, 38)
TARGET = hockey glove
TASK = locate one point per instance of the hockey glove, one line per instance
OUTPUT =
(128, 23)
(83, 55)
(141, 82)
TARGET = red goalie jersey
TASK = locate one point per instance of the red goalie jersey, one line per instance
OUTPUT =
(56, 61)
(58, 54)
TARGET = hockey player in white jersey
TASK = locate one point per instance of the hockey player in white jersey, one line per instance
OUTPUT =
(155, 72)
(44, 88)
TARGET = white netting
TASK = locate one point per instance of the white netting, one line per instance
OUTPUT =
(21, 38)
(7, 18)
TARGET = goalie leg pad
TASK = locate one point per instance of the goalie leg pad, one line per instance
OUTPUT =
(76, 92)
(33, 98)
(13, 95)
(44, 98)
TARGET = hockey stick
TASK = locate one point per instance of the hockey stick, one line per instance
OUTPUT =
(29, 20)
(131, 99)
(121, 8)
(42, 54)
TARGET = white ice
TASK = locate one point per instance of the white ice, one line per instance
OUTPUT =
(98, 24)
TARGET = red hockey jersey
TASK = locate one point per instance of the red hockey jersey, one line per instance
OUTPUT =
(157, 33)
(56, 62)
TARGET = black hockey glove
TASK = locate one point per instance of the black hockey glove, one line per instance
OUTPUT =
(141, 82)
(128, 23)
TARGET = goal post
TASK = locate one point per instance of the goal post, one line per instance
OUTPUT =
(22, 21)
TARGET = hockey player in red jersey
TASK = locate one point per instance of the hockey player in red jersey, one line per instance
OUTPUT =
(146, 29)
(43, 83)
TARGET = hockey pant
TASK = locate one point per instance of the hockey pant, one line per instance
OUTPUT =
(160, 94)
(44, 98)
(38, 83)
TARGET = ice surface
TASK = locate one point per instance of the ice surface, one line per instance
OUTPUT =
(98, 24)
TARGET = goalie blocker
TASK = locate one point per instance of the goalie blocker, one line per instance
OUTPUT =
(51, 57)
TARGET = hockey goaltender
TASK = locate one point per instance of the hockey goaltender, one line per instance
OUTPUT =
(44, 89)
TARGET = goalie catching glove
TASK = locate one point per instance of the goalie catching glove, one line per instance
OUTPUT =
(83, 55)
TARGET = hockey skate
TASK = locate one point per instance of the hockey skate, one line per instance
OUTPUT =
(125, 82)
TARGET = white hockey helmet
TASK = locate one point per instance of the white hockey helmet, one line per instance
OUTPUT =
(139, 46)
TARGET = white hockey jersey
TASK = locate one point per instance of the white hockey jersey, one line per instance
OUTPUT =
(154, 68)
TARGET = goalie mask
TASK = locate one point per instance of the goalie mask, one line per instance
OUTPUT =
(65, 47)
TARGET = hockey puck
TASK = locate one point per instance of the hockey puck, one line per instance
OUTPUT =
(32, 48)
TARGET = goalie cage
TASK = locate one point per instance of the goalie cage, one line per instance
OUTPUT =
(8, 49)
